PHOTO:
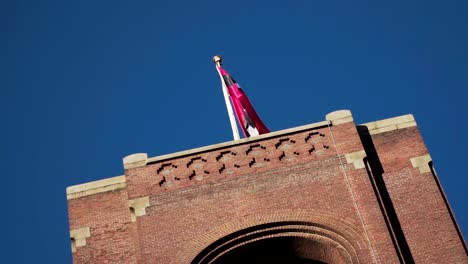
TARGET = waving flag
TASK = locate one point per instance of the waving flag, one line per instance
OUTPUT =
(249, 121)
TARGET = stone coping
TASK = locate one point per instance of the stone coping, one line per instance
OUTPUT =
(389, 124)
(89, 188)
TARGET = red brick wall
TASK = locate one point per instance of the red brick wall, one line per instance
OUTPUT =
(113, 236)
(298, 173)
(299, 184)
(424, 217)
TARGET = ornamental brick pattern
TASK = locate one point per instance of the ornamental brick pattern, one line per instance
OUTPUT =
(332, 191)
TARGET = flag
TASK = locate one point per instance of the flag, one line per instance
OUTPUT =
(249, 121)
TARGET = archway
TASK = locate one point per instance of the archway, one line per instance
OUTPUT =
(291, 250)
(279, 242)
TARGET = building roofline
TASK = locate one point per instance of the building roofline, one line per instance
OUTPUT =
(141, 159)
(236, 142)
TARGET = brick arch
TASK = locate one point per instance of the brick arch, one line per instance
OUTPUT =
(340, 238)
(310, 243)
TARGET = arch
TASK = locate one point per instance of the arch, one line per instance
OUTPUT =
(286, 248)
(304, 235)
(288, 239)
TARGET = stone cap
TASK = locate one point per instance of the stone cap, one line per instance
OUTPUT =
(89, 188)
(135, 160)
(340, 117)
(390, 124)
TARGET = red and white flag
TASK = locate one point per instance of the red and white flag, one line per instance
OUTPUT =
(249, 120)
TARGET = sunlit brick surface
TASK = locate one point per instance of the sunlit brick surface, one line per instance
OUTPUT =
(294, 190)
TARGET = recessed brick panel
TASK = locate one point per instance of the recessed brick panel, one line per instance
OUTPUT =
(425, 218)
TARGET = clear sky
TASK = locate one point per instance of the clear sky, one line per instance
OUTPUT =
(85, 83)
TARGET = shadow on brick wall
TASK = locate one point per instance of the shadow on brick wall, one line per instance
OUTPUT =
(375, 171)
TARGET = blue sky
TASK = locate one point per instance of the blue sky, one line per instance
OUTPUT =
(85, 83)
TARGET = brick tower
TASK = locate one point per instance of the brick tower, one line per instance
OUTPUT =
(328, 192)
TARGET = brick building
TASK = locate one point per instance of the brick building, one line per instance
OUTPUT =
(328, 192)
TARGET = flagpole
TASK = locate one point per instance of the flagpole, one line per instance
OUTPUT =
(235, 132)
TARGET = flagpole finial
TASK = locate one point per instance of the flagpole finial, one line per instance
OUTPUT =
(217, 59)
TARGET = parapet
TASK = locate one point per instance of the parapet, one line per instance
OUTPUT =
(237, 142)
(141, 159)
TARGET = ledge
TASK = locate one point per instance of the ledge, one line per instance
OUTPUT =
(89, 188)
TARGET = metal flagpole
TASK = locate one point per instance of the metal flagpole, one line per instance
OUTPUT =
(235, 132)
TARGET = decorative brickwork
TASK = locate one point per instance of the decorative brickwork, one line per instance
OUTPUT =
(329, 192)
